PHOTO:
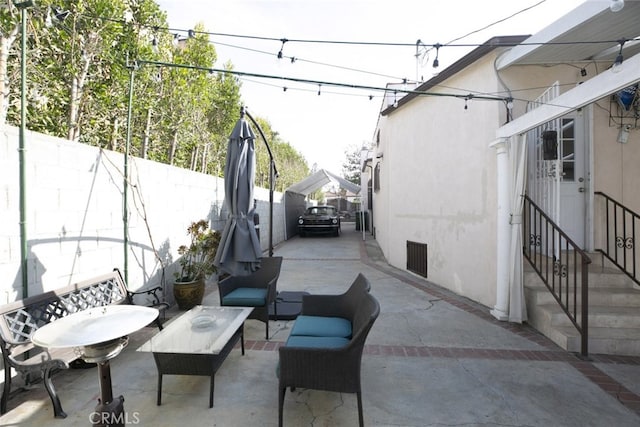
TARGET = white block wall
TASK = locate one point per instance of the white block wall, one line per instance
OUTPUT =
(74, 214)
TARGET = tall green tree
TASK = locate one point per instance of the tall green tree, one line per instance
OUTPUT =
(351, 166)
(9, 31)
(83, 56)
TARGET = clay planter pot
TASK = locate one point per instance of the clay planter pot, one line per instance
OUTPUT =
(188, 294)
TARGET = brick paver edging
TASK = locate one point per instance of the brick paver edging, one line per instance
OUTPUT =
(586, 367)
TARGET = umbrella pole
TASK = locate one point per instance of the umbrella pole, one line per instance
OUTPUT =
(273, 174)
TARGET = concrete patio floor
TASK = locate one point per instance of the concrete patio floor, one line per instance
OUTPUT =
(432, 359)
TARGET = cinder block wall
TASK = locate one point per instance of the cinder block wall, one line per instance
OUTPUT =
(74, 214)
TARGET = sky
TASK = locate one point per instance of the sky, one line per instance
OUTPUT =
(323, 122)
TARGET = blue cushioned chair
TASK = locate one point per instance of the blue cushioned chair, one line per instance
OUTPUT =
(329, 315)
(257, 290)
(328, 363)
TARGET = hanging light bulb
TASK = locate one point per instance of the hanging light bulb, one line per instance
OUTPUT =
(154, 44)
(510, 104)
(616, 5)
(617, 64)
(280, 54)
(436, 63)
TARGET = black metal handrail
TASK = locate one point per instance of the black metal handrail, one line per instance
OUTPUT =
(561, 264)
(620, 234)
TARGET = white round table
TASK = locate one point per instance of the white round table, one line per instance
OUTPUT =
(98, 335)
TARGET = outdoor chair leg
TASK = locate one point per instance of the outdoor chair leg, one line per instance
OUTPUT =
(211, 392)
(7, 388)
(281, 404)
(242, 338)
(159, 401)
(360, 415)
(55, 400)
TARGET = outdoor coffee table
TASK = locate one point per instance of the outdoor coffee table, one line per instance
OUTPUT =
(197, 342)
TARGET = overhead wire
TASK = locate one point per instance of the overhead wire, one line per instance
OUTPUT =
(468, 96)
(300, 89)
(298, 59)
(395, 90)
(192, 32)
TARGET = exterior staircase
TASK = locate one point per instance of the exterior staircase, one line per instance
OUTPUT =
(614, 311)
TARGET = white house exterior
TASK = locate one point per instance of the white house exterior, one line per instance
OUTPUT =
(440, 164)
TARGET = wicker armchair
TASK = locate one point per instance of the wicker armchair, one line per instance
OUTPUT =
(330, 364)
(257, 290)
(340, 305)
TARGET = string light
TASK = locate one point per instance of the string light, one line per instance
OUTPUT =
(419, 43)
(154, 44)
(360, 43)
(281, 48)
(437, 46)
(618, 62)
(483, 97)
(436, 63)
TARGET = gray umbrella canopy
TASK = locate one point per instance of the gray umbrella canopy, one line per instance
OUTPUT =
(239, 252)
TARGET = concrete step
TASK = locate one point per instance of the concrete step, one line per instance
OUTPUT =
(612, 330)
(614, 312)
(601, 277)
(599, 316)
(613, 296)
(619, 341)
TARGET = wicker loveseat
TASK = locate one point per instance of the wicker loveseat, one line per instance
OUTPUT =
(324, 349)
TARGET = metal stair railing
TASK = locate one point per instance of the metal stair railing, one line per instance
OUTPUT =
(620, 234)
(562, 266)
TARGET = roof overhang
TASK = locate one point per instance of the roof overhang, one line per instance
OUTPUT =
(600, 86)
(590, 32)
(318, 179)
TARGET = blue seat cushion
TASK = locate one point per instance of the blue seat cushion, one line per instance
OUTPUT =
(249, 297)
(316, 342)
(319, 326)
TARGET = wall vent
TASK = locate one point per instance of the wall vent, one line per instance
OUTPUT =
(417, 258)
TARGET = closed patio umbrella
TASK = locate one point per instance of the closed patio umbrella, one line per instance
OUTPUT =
(239, 252)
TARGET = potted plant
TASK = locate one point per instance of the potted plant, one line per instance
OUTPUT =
(196, 263)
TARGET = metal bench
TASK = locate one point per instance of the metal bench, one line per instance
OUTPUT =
(19, 319)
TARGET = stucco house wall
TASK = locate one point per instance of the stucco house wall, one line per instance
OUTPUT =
(437, 171)
(438, 183)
